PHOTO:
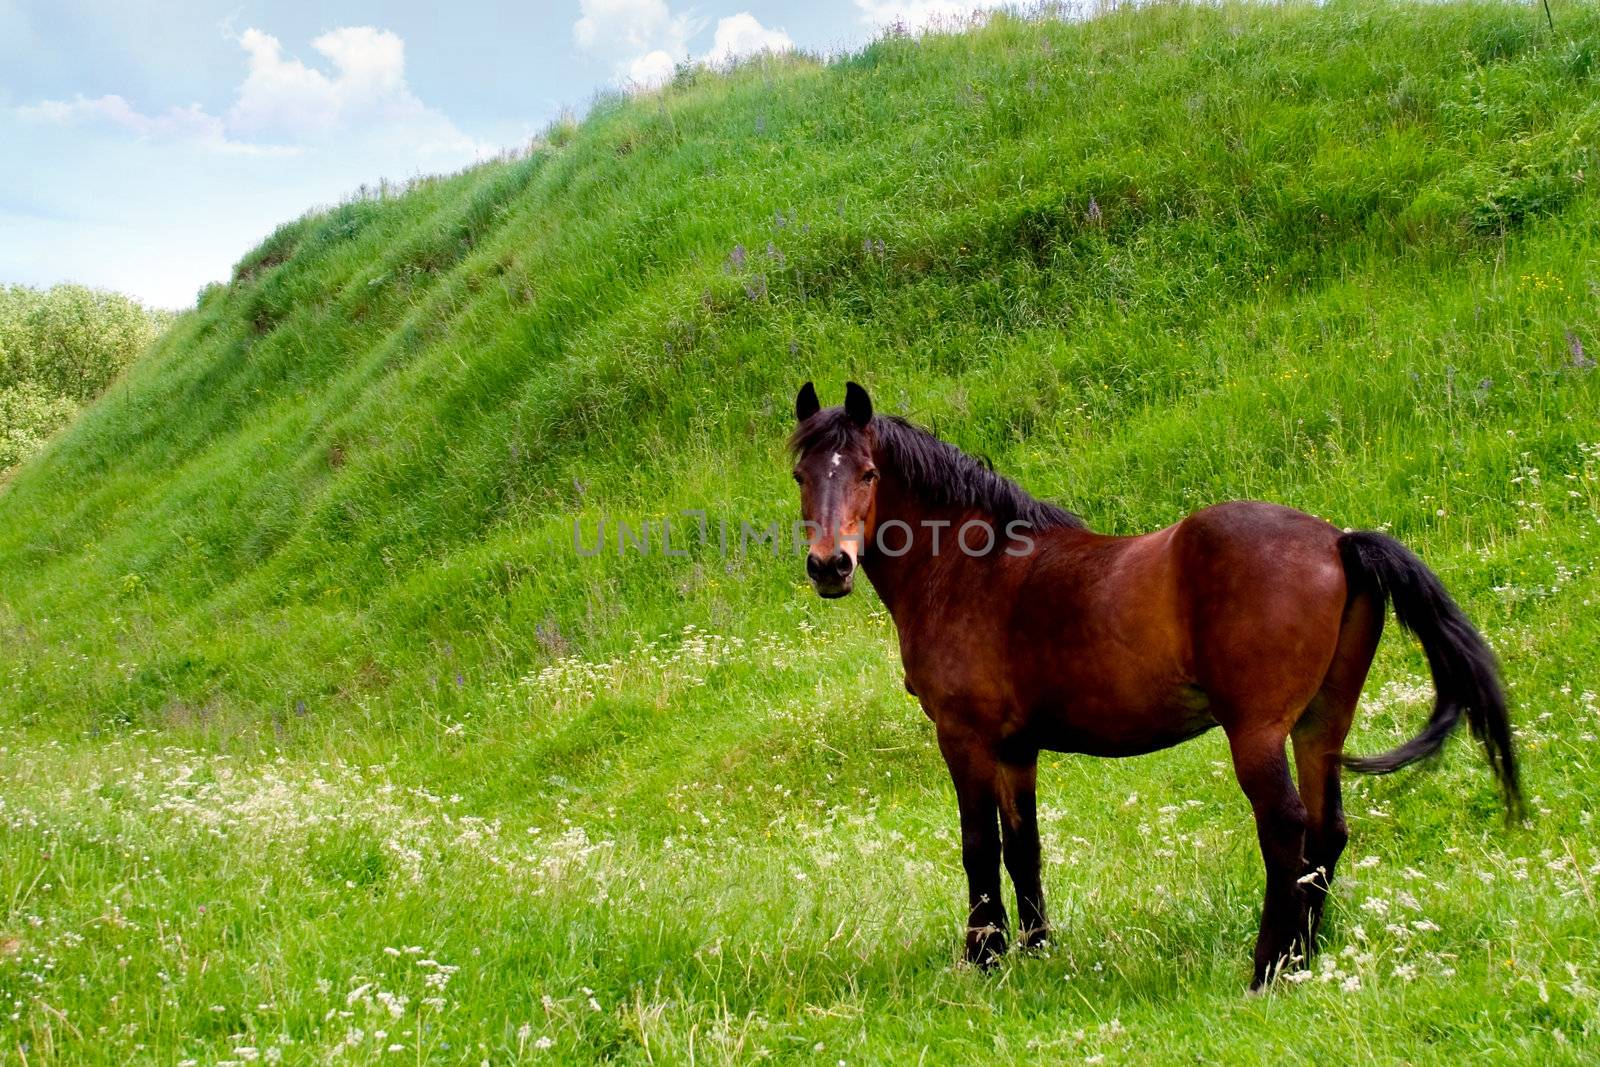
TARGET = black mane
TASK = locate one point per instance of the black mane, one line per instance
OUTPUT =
(937, 470)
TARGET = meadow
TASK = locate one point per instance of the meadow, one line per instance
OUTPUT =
(320, 742)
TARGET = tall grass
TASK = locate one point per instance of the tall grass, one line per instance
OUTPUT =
(304, 683)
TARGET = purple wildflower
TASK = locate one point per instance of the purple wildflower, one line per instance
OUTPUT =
(1580, 359)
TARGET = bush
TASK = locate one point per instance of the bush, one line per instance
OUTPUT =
(28, 416)
(59, 349)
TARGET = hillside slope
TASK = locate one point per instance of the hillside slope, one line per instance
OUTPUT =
(299, 600)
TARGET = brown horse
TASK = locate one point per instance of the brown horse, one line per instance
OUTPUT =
(1021, 630)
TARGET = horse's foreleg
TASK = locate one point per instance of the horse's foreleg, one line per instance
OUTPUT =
(1263, 771)
(973, 769)
(1019, 831)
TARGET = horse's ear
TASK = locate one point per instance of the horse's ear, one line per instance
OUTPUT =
(806, 404)
(857, 404)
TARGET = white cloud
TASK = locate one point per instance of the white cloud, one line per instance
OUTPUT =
(741, 35)
(118, 112)
(191, 124)
(645, 40)
(916, 15)
(283, 105)
(651, 70)
(366, 95)
(627, 30)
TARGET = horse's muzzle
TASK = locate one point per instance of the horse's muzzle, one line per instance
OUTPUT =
(832, 577)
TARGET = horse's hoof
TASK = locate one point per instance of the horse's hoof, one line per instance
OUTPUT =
(984, 950)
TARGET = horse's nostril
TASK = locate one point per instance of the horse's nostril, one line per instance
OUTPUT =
(838, 565)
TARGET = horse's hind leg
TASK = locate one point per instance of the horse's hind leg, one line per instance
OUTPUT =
(1262, 766)
(1318, 743)
(1319, 747)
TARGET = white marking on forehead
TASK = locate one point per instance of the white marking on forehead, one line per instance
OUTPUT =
(835, 459)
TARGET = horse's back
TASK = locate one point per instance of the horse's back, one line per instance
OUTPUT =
(1125, 644)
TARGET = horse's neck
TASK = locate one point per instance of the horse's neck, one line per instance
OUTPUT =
(910, 581)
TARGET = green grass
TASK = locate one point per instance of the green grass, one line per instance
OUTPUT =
(304, 685)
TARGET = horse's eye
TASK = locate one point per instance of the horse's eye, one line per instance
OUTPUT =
(869, 476)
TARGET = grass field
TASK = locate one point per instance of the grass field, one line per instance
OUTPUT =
(320, 743)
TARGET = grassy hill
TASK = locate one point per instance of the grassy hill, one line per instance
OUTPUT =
(319, 737)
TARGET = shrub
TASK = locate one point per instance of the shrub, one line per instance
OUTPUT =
(59, 349)
(28, 416)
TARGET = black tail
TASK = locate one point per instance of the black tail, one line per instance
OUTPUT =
(1465, 675)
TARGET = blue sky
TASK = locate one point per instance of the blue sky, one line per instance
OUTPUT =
(145, 147)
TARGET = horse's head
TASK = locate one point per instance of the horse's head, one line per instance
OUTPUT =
(838, 484)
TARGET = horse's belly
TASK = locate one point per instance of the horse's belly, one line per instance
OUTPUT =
(1086, 726)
